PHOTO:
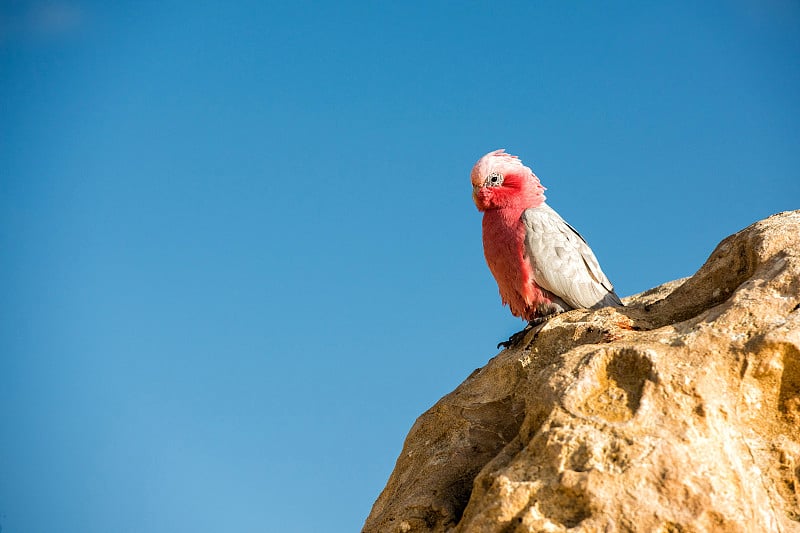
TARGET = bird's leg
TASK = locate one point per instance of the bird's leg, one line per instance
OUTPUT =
(535, 324)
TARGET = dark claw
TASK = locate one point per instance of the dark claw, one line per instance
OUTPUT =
(516, 337)
(537, 323)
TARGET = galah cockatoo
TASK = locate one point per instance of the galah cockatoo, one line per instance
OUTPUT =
(541, 264)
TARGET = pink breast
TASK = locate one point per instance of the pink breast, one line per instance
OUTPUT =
(503, 245)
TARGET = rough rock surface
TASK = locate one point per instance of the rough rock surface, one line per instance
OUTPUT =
(678, 413)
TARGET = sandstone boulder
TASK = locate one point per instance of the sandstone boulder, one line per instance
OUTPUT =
(677, 413)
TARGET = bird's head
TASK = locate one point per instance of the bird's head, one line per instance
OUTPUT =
(501, 180)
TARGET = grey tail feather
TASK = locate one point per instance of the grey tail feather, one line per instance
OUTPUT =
(612, 300)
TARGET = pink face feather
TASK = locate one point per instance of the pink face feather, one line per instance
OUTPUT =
(500, 180)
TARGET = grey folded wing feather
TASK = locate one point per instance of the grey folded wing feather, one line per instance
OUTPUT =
(562, 261)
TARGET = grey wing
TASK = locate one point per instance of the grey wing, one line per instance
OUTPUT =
(562, 261)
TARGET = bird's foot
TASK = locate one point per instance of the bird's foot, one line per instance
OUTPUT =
(536, 324)
(540, 320)
(516, 337)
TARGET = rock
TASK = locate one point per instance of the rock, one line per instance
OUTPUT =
(677, 413)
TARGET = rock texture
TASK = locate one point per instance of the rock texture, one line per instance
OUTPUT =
(678, 413)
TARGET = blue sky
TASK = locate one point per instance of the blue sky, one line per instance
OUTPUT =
(239, 253)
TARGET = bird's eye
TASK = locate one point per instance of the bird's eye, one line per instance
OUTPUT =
(495, 179)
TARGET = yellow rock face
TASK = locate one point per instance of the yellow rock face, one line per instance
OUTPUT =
(677, 413)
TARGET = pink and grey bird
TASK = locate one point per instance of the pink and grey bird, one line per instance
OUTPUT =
(541, 264)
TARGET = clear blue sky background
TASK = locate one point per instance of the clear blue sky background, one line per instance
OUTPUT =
(239, 253)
